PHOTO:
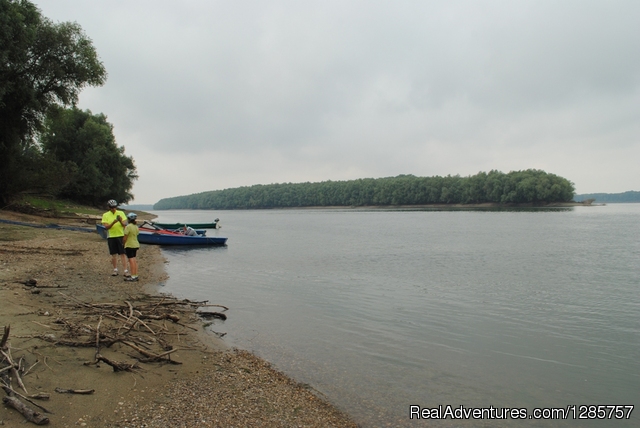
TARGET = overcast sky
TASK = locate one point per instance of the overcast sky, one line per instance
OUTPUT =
(208, 95)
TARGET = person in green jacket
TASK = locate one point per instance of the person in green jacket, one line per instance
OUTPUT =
(114, 221)
(131, 245)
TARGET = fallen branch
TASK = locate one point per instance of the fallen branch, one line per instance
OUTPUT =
(209, 315)
(151, 357)
(139, 349)
(30, 414)
(75, 391)
(14, 369)
(52, 286)
(98, 337)
(5, 336)
(116, 365)
(29, 369)
(40, 396)
(172, 317)
(86, 344)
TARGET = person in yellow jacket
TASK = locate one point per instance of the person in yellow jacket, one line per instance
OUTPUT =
(114, 221)
(131, 245)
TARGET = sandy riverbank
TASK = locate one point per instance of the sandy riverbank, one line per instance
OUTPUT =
(213, 386)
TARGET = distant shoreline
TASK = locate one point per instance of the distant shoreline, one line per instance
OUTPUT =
(487, 205)
(460, 207)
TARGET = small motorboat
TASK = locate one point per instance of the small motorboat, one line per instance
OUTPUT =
(167, 237)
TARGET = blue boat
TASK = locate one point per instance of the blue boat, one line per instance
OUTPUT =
(166, 237)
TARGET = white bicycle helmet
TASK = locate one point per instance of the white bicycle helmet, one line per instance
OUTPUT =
(132, 216)
(112, 203)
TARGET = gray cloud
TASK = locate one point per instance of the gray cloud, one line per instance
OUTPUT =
(213, 94)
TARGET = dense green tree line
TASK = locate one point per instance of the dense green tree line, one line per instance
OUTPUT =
(43, 68)
(98, 169)
(516, 187)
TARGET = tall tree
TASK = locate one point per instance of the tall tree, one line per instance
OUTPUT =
(86, 142)
(42, 64)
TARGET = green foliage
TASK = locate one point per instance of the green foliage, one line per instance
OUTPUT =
(42, 64)
(519, 187)
(101, 170)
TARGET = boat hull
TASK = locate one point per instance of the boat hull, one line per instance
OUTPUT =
(169, 238)
(161, 239)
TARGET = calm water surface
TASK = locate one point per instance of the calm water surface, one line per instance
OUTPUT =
(380, 310)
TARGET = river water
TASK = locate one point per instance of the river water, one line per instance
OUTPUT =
(379, 310)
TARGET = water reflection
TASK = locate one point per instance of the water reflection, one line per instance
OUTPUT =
(380, 309)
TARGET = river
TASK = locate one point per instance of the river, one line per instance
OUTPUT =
(379, 310)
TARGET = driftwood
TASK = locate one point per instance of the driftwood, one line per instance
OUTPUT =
(141, 325)
(5, 336)
(40, 396)
(117, 366)
(136, 324)
(75, 391)
(50, 286)
(151, 357)
(13, 368)
(171, 317)
(73, 343)
(30, 414)
(5, 381)
(209, 315)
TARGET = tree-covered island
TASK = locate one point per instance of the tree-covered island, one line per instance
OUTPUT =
(532, 187)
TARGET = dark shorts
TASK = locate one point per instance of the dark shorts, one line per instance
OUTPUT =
(131, 252)
(115, 245)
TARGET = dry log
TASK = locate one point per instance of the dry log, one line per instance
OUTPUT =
(75, 391)
(30, 414)
(12, 392)
(116, 365)
(40, 396)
